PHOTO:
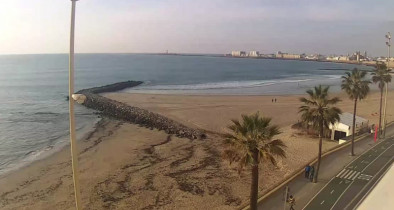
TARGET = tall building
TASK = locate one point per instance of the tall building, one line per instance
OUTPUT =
(238, 53)
(254, 54)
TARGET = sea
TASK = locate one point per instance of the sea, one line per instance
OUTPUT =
(33, 90)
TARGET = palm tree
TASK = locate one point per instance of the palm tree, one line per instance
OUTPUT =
(357, 88)
(251, 142)
(319, 111)
(381, 75)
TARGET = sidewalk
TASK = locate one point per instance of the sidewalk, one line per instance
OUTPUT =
(303, 190)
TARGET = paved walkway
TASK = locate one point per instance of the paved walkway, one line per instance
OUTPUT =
(303, 190)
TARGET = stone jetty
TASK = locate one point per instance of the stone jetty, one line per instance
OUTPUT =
(132, 114)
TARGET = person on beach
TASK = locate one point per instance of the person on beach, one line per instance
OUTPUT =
(275, 100)
(272, 100)
(291, 202)
(307, 169)
(311, 173)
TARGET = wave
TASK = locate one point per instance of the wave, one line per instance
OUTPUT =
(233, 84)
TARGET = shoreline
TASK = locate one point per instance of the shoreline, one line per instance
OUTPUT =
(81, 135)
(149, 165)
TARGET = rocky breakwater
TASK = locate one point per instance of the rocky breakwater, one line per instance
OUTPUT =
(132, 114)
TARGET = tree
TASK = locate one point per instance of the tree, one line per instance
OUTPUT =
(357, 88)
(250, 143)
(381, 76)
(319, 111)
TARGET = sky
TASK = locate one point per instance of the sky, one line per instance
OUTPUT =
(197, 26)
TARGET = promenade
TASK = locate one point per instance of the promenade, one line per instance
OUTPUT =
(336, 167)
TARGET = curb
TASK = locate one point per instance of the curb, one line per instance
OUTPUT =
(301, 170)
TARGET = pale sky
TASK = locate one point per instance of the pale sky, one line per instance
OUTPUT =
(197, 26)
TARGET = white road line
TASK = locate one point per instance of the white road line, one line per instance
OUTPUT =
(322, 202)
(347, 171)
(331, 191)
(351, 176)
(340, 173)
(334, 176)
(356, 175)
(371, 188)
(361, 171)
(348, 175)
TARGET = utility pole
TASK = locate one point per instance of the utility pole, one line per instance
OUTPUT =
(388, 43)
(74, 149)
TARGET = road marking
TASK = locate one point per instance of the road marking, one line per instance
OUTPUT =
(340, 173)
(371, 188)
(365, 177)
(356, 175)
(322, 202)
(345, 174)
(334, 177)
(361, 174)
(351, 176)
(331, 191)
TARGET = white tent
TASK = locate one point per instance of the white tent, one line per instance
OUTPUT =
(343, 128)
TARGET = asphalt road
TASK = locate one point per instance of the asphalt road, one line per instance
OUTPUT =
(347, 188)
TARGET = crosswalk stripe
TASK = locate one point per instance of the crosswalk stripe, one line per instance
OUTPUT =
(344, 174)
(356, 175)
(351, 176)
(348, 175)
(340, 173)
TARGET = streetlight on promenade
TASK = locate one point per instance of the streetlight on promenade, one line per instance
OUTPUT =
(388, 43)
(74, 150)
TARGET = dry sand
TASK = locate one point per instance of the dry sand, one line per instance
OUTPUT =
(125, 166)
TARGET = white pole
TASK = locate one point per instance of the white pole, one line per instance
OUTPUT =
(74, 149)
(386, 89)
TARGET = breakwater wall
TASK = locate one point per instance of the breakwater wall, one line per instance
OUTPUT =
(132, 114)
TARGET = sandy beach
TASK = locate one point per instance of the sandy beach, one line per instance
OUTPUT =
(125, 166)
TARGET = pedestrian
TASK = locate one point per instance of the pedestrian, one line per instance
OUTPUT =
(291, 202)
(275, 100)
(272, 100)
(311, 173)
(307, 169)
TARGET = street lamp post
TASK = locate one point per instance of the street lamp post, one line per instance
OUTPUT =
(74, 149)
(388, 43)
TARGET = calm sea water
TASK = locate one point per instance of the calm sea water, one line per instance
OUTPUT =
(34, 110)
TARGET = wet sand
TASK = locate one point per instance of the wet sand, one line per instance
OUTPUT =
(124, 166)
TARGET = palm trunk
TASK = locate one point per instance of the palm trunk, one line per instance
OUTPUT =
(255, 181)
(319, 155)
(354, 125)
(380, 111)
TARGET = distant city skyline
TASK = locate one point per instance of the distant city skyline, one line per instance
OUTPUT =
(205, 26)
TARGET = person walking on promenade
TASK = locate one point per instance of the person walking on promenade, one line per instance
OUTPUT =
(307, 169)
(291, 202)
(311, 173)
